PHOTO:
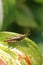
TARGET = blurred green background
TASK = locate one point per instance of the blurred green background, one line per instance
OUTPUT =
(22, 16)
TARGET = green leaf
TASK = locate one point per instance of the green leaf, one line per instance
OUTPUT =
(38, 14)
(41, 47)
(25, 46)
(39, 1)
(21, 1)
(24, 16)
(13, 10)
(38, 38)
(9, 12)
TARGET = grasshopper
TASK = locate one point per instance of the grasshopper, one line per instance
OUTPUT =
(15, 39)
